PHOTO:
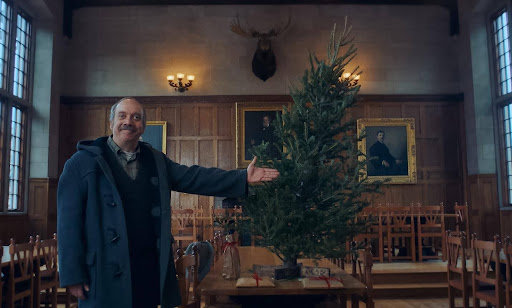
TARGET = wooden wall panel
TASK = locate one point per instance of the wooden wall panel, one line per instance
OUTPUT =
(225, 121)
(483, 204)
(169, 114)
(206, 155)
(206, 121)
(202, 130)
(226, 157)
(15, 226)
(388, 110)
(151, 113)
(187, 153)
(188, 125)
(506, 225)
(41, 216)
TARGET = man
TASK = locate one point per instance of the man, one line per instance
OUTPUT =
(114, 214)
(384, 163)
(265, 134)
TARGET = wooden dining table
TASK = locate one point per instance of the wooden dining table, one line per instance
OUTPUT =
(214, 285)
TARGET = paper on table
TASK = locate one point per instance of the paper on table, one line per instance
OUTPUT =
(255, 282)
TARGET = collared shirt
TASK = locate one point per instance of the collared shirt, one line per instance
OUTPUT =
(129, 161)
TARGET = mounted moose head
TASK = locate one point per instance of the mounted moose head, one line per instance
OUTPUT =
(264, 61)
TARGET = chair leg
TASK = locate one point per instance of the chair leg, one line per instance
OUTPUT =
(355, 301)
(476, 301)
(465, 298)
(413, 249)
(381, 248)
(343, 300)
(54, 297)
(451, 297)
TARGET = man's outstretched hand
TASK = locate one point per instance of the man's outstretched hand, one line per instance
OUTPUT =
(257, 174)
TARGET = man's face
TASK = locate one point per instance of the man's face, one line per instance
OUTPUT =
(127, 125)
(266, 122)
(380, 137)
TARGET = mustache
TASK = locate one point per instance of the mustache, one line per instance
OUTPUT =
(127, 127)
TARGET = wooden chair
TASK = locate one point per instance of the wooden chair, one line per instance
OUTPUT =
(431, 227)
(64, 297)
(485, 252)
(46, 277)
(1, 277)
(183, 226)
(187, 265)
(362, 270)
(20, 282)
(400, 226)
(461, 218)
(462, 221)
(223, 218)
(217, 245)
(507, 251)
(374, 234)
(458, 277)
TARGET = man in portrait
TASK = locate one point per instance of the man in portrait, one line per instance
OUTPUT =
(383, 162)
(263, 134)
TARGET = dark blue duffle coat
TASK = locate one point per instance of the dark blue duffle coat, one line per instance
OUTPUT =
(90, 213)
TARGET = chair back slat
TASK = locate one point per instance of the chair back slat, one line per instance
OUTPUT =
(432, 216)
(373, 219)
(187, 272)
(456, 253)
(46, 256)
(431, 227)
(21, 272)
(461, 217)
(507, 252)
(400, 227)
(1, 279)
(457, 274)
(22, 257)
(485, 252)
(362, 264)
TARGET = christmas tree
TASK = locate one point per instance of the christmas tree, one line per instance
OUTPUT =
(309, 211)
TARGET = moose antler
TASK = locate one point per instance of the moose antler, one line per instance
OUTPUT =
(264, 61)
(237, 28)
(253, 33)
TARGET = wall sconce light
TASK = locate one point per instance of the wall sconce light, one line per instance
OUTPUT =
(350, 79)
(180, 86)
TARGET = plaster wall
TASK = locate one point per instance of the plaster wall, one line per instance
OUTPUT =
(130, 50)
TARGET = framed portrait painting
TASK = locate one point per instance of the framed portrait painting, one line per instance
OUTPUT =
(390, 149)
(253, 126)
(156, 135)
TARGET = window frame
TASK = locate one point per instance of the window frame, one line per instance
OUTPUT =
(8, 100)
(499, 102)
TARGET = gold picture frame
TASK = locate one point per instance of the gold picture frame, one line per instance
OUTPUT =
(156, 135)
(390, 148)
(249, 118)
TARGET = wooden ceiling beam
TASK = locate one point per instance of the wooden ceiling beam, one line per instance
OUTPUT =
(86, 3)
(71, 5)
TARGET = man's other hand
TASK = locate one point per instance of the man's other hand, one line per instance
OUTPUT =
(256, 174)
(78, 290)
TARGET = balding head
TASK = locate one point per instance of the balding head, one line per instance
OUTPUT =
(127, 122)
(113, 110)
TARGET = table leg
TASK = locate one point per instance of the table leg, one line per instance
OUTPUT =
(210, 300)
(342, 300)
(355, 301)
